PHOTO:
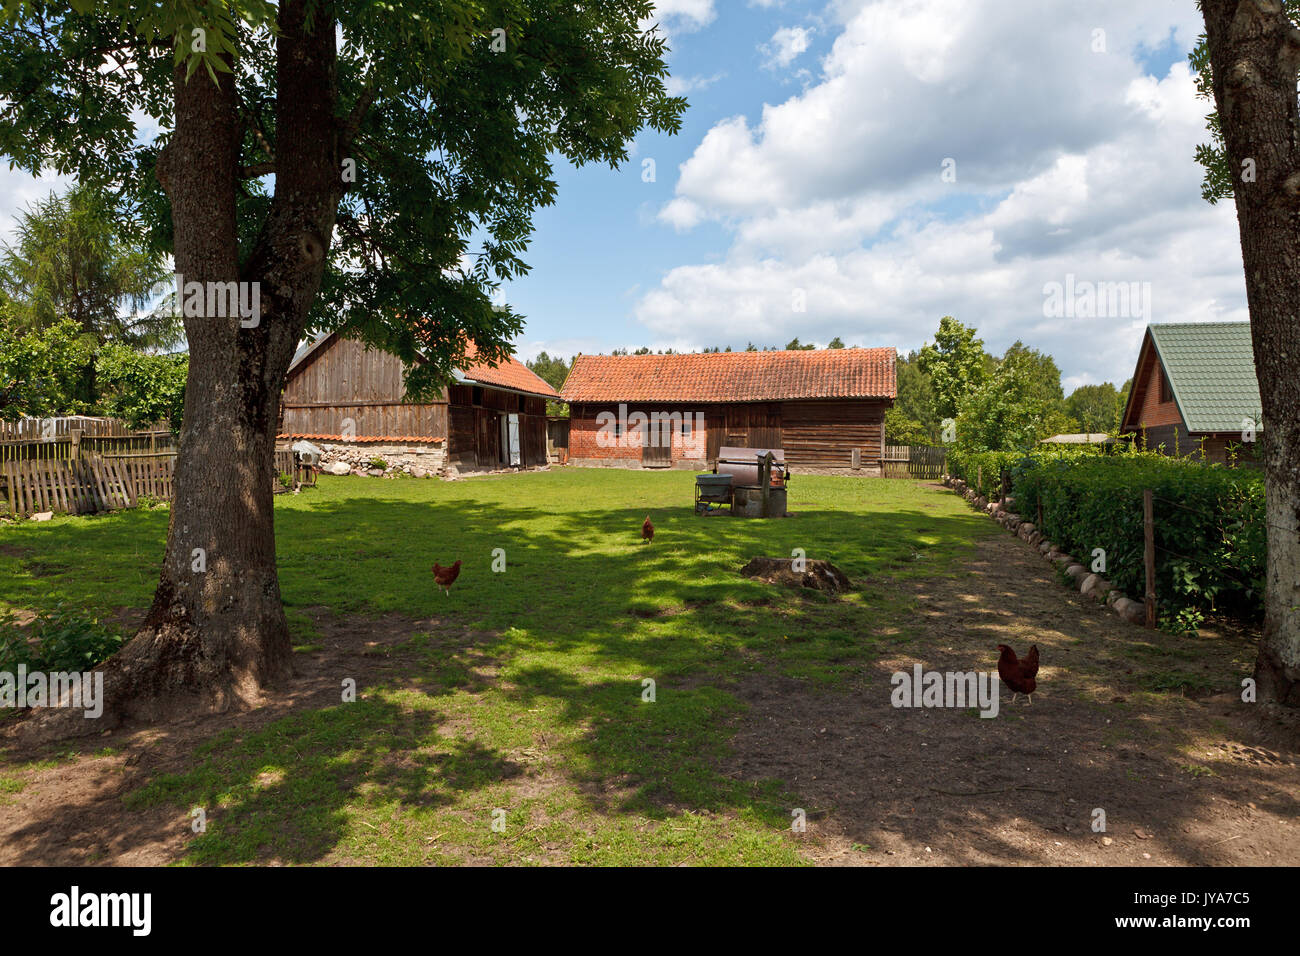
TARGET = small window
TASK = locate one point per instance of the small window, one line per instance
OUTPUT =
(687, 428)
(477, 395)
(523, 403)
(1166, 390)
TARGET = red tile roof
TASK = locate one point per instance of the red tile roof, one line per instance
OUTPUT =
(509, 374)
(732, 376)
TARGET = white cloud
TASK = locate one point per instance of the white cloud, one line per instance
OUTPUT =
(682, 16)
(785, 46)
(681, 85)
(1067, 162)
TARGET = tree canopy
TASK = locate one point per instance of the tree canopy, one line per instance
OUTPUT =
(956, 365)
(1220, 178)
(449, 116)
(1095, 407)
(73, 258)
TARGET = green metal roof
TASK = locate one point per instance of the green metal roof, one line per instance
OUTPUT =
(1211, 367)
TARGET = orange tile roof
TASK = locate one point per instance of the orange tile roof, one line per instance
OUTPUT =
(509, 374)
(362, 439)
(732, 376)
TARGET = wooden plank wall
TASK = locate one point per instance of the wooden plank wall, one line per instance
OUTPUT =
(343, 370)
(388, 420)
(532, 439)
(462, 442)
(342, 380)
(487, 446)
(824, 434)
(474, 430)
(814, 434)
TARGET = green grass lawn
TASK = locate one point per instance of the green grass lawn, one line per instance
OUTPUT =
(527, 696)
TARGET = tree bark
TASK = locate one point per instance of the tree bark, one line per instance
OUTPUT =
(216, 634)
(1255, 57)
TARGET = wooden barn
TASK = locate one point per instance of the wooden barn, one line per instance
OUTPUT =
(825, 408)
(1194, 388)
(352, 401)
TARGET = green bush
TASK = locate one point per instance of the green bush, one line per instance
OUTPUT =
(63, 639)
(982, 470)
(1209, 524)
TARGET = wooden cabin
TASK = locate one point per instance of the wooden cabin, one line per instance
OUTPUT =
(1195, 392)
(352, 401)
(825, 408)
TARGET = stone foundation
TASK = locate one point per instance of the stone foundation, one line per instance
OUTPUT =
(681, 464)
(420, 461)
(700, 464)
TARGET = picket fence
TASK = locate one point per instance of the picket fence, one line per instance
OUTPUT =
(88, 484)
(914, 461)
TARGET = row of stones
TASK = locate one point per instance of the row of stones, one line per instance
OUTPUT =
(1090, 584)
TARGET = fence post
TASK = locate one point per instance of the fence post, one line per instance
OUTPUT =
(1149, 526)
(75, 451)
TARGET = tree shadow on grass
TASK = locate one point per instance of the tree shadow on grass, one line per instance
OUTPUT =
(289, 791)
(764, 696)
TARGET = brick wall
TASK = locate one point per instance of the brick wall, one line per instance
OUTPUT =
(585, 446)
(1154, 413)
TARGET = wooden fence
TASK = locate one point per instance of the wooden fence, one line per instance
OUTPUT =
(913, 461)
(88, 484)
(78, 465)
(48, 439)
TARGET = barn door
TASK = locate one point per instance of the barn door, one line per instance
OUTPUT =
(513, 458)
(657, 452)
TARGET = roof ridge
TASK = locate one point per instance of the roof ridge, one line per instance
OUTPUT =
(1165, 325)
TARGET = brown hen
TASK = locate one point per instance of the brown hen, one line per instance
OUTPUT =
(446, 577)
(1017, 674)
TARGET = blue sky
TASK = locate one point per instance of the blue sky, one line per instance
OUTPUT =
(820, 172)
(601, 245)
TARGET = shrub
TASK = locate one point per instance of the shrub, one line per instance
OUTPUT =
(63, 639)
(982, 470)
(142, 389)
(1209, 524)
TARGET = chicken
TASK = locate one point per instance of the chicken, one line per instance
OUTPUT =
(1017, 674)
(648, 530)
(446, 577)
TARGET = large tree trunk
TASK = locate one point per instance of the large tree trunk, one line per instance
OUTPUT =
(1255, 56)
(216, 634)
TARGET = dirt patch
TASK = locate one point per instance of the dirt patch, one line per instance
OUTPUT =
(1181, 782)
(66, 808)
(815, 574)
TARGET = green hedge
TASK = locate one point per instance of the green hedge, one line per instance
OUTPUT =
(982, 470)
(1209, 523)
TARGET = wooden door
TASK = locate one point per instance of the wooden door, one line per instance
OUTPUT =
(657, 454)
